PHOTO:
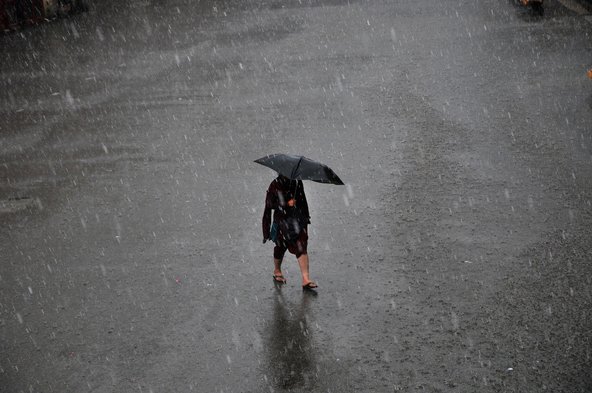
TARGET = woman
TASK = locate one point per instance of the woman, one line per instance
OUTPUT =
(290, 220)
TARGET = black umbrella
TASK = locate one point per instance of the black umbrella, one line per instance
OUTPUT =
(300, 168)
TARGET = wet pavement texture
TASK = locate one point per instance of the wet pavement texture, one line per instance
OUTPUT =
(456, 258)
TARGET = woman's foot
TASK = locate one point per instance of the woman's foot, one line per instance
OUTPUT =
(309, 286)
(279, 278)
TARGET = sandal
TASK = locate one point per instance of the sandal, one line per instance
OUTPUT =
(279, 278)
(310, 286)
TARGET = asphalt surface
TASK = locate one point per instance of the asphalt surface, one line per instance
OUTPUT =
(455, 259)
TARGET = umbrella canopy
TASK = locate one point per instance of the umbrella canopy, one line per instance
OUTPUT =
(300, 168)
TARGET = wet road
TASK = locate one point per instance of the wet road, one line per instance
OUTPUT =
(455, 258)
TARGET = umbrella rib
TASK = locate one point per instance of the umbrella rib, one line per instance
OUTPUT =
(295, 170)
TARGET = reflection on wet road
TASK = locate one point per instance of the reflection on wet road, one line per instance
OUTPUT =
(290, 345)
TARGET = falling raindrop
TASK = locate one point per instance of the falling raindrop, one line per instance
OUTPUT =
(69, 98)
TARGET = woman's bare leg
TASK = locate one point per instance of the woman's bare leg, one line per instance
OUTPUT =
(277, 263)
(277, 271)
(303, 263)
